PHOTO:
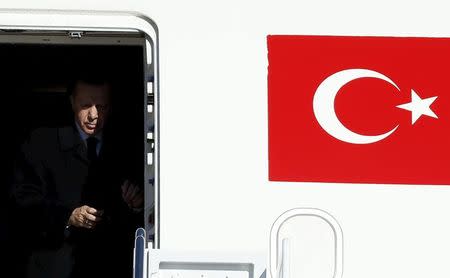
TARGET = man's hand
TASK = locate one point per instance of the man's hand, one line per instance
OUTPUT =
(132, 195)
(85, 217)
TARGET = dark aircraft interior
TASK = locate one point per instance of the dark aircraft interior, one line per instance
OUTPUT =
(33, 81)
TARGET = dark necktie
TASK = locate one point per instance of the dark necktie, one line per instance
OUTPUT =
(92, 148)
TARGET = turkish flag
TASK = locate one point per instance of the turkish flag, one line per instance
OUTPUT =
(359, 109)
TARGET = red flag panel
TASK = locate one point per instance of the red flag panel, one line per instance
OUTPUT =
(359, 109)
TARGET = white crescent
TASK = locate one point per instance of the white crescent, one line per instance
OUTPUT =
(323, 105)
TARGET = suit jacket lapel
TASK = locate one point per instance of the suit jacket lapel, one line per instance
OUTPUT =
(70, 140)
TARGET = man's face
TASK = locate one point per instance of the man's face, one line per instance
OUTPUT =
(91, 105)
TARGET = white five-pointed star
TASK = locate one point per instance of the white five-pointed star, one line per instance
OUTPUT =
(419, 107)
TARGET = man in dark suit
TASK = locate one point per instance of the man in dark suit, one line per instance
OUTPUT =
(74, 211)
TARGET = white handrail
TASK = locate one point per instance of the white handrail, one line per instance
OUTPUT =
(278, 257)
